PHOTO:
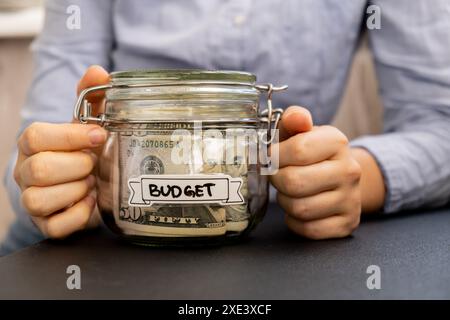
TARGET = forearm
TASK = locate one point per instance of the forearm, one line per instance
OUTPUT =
(413, 152)
(371, 184)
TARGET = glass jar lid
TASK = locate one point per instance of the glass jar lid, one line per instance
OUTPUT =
(182, 95)
(180, 76)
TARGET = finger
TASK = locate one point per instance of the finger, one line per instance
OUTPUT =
(95, 219)
(315, 207)
(310, 147)
(295, 120)
(43, 201)
(94, 76)
(50, 168)
(332, 227)
(17, 177)
(61, 225)
(40, 137)
(303, 181)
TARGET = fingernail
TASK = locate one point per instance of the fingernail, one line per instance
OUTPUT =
(90, 200)
(97, 136)
(90, 181)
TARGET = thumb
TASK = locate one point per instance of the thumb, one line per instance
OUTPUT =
(295, 120)
(94, 76)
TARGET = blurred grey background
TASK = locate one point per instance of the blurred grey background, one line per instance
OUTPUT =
(21, 21)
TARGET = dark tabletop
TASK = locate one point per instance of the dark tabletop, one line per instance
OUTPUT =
(411, 249)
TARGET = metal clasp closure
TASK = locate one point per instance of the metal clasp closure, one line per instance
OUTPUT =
(82, 110)
(271, 114)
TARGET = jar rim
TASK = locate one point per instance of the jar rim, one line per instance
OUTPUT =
(156, 76)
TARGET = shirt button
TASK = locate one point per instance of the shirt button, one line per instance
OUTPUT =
(239, 20)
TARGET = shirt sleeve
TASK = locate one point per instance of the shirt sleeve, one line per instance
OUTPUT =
(76, 35)
(411, 52)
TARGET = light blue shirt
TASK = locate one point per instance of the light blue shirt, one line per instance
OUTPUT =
(307, 44)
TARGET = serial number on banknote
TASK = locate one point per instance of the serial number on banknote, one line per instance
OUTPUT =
(150, 143)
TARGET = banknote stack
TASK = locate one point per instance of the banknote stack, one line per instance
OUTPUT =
(152, 152)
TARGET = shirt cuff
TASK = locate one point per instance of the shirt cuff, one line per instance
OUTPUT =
(381, 148)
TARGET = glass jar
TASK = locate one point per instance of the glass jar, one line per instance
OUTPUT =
(185, 161)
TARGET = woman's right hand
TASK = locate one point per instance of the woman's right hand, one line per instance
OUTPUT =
(54, 169)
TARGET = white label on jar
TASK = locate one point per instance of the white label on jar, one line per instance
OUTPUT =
(147, 190)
